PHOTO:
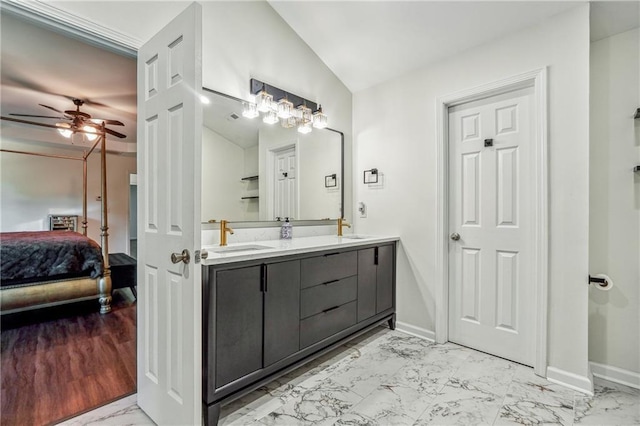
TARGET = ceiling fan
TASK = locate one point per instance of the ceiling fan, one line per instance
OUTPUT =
(78, 120)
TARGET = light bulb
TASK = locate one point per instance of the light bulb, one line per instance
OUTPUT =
(288, 123)
(92, 133)
(250, 110)
(271, 117)
(305, 128)
(319, 119)
(304, 114)
(285, 108)
(264, 101)
(64, 129)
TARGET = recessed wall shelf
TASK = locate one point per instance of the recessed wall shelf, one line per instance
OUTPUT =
(253, 197)
(251, 178)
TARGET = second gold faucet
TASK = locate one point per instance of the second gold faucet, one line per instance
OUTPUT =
(223, 232)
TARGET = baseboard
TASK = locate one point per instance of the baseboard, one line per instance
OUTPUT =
(582, 384)
(416, 331)
(616, 375)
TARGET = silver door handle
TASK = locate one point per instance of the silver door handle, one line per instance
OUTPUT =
(455, 236)
(181, 257)
(204, 254)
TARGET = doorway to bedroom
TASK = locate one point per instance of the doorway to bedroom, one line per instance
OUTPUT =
(69, 355)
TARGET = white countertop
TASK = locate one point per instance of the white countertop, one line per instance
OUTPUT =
(273, 248)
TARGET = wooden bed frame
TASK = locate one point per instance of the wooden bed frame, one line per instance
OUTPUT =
(49, 293)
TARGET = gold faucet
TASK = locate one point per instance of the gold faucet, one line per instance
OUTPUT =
(342, 223)
(223, 232)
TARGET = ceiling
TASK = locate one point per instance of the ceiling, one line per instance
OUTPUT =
(43, 67)
(363, 43)
(367, 43)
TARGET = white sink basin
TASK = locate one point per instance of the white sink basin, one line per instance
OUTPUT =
(355, 237)
(234, 249)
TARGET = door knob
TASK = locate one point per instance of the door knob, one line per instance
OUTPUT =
(204, 254)
(181, 257)
(455, 236)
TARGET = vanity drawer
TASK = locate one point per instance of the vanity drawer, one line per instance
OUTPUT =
(314, 300)
(328, 267)
(325, 324)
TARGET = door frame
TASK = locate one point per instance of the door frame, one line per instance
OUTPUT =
(540, 215)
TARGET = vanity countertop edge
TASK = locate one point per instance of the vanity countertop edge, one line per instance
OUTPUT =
(293, 246)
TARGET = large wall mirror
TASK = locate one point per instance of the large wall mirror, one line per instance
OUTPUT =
(253, 171)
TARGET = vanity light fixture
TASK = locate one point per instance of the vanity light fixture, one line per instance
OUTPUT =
(290, 110)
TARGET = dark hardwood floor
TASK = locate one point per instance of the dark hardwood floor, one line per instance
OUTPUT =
(58, 362)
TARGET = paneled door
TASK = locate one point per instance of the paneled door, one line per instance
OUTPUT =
(490, 223)
(286, 189)
(169, 175)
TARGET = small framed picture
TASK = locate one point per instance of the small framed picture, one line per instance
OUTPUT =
(330, 181)
(371, 176)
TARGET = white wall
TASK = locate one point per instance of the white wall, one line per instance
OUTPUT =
(614, 245)
(244, 40)
(223, 166)
(395, 131)
(33, 187)
(319, 152)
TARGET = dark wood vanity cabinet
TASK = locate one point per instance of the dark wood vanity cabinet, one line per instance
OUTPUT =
(256, 318)
(266, 317)
(375, 280)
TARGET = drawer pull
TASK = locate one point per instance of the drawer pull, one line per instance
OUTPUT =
(330, 282)
(330, 309)
(331, 254)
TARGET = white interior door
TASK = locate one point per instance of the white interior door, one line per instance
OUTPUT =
(286, 190)
(169, 181)
(491, 297)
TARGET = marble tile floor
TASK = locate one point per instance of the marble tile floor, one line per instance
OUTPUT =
(390, 378)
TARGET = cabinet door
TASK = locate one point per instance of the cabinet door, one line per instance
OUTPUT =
(281, 311)
(384, 278)
(366, 283)
(238, 304)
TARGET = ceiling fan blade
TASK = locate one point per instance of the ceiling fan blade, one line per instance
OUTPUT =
(77, 114)
(107, 121)
(51, 108)
(38, 116)
(114, 133)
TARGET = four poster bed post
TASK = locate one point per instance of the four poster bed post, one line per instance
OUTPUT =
(41, 293)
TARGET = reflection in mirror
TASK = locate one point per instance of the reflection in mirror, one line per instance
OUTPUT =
(253, 171)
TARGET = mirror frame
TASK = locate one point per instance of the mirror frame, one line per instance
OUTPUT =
(270, 224)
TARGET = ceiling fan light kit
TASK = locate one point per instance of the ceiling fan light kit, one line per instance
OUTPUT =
(77, 121)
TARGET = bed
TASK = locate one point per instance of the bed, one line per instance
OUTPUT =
(48, 267)
(45, 268)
